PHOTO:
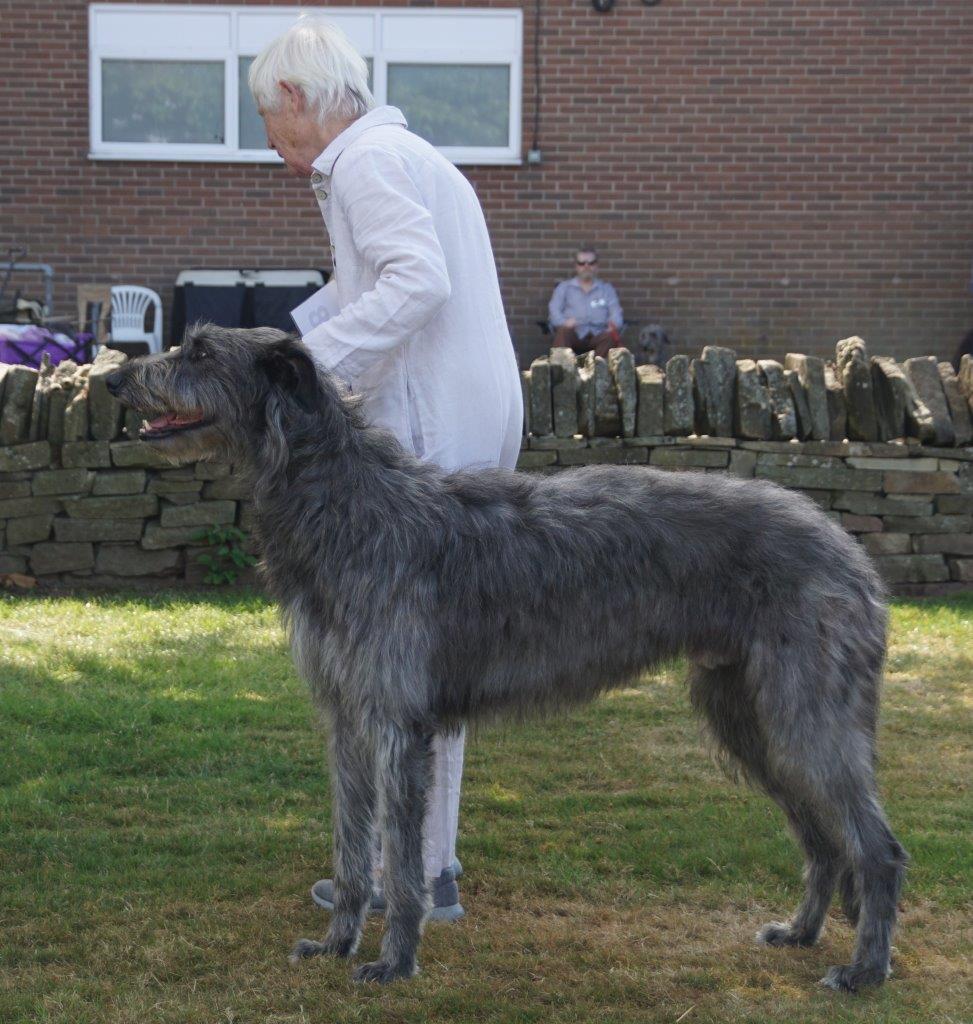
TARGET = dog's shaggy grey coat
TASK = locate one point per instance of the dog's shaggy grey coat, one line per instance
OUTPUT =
(418, 599)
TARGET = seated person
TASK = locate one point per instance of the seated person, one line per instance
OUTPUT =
(584, 310)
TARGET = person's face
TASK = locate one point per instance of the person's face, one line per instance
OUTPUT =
(585, 265)
(293, 131)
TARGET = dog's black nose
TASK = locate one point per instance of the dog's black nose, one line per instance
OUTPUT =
(113, 381)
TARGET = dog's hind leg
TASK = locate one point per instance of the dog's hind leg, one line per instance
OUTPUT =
(353, 814)
(848, 893)
(879, 867)
(404, 769)
(720, 695)
(817, 709)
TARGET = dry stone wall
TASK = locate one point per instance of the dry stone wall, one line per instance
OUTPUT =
(885, 449)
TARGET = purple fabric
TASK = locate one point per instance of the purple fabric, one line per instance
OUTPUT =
(26, 345)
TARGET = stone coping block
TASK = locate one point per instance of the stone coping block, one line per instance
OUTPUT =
(104, 411)
(19, 383)
(541, 409)
(564, 391)
(679, 404)
(651, 383)
(20, 457)
(810, 374)
(622, 366)
(923, 372)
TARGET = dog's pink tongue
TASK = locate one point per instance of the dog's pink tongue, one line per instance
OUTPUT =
(171, 421)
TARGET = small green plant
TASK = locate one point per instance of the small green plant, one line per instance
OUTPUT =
(227, 555)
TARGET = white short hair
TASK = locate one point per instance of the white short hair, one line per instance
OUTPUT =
(318, 58)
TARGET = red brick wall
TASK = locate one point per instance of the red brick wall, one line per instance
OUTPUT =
(769, 175)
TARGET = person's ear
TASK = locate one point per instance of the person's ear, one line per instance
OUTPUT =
(293, 97)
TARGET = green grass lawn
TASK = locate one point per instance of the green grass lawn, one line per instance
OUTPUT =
(164, 810)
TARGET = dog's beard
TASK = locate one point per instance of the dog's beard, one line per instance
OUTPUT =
(189, 444)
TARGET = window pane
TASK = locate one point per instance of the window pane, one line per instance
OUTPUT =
(252, 134)
(162, 101)
(454, 104)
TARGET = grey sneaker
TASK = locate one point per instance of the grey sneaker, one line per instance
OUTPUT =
(445, 896)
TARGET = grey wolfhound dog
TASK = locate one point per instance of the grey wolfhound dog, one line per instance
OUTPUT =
(417, 600)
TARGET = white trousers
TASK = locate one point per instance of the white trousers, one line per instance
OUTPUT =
(441, 823)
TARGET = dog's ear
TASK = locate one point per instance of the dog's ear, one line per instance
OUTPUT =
(291, 369)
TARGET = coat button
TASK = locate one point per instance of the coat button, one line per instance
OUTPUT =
(316, 178)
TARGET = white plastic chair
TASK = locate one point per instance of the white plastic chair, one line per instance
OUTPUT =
(129, 303)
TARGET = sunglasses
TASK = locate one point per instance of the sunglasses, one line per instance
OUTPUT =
(586, 263)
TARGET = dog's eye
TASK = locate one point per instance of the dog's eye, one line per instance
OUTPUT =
(199, 353)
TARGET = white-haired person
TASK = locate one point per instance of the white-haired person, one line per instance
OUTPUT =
(420, 333)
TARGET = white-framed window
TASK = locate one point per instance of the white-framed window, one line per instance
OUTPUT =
(169, 82)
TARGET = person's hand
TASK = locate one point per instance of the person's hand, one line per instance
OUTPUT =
(570, 322)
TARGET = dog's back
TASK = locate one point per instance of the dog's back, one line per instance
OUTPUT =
(551, 588)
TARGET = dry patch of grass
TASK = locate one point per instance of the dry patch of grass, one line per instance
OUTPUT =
(163, 812)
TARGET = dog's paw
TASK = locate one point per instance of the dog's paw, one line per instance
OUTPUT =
(780, 933)
(304, 949)
(341, 944)
(384, 972)
(854, 977)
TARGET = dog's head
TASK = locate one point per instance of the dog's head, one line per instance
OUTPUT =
(207, 398)
(654, 344)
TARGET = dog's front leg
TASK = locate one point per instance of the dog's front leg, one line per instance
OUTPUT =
(404, 764)
(353, 814)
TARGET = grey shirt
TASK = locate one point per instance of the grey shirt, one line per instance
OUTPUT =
(591, 310)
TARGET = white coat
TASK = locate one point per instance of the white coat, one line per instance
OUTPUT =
(421, 333)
